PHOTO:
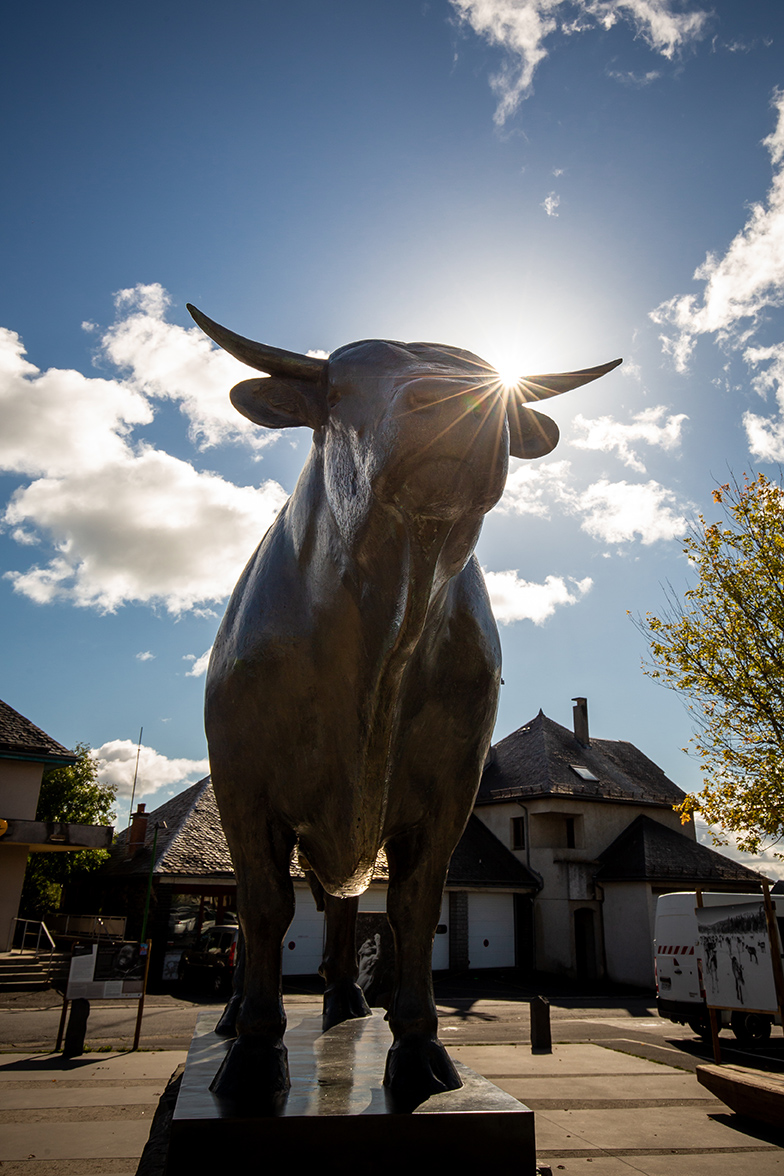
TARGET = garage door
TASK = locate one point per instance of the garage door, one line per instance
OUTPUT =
(491, 931)
(303, 946)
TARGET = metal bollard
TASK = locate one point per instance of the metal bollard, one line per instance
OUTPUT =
(541, 1041)
(77, 1028)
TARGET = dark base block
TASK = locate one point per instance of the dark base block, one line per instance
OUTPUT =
(337, 1116)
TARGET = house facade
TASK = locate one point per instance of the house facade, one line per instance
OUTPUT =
(594, 820)
(25, 751)
(488, 896)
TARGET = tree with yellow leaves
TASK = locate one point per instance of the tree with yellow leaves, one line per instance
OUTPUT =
(723, 648)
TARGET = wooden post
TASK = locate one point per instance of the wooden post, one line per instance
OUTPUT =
(712, 1017)
(775, 946)
(137, 1034)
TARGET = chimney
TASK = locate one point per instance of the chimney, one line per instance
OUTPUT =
(580, 715)
(138, 832)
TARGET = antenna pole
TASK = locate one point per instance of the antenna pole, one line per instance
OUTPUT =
(135, 774)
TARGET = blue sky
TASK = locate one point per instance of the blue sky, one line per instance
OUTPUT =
(548, 183)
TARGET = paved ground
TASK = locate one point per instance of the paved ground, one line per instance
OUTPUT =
(617, 1095)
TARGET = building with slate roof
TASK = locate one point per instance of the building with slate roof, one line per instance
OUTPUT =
(594, 820)
(25, 751)
(194, 888)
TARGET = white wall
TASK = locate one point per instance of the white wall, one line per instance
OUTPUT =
(20, 784)
(628, 932)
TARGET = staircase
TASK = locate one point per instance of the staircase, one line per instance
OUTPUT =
(26, 972)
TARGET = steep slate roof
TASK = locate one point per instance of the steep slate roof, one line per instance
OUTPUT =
(535, 761)
(193, 844)
(480, 859)
(21, 739)
(650, 852)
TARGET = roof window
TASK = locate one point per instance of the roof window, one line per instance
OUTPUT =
(584, 773)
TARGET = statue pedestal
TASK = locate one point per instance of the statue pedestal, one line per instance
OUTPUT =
(337, 1116)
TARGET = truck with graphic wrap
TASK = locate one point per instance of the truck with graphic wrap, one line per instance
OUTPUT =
(726, 946)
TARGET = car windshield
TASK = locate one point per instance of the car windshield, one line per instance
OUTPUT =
(216, 940)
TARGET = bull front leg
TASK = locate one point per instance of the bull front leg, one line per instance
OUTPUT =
(417, 1063)
(255, 1071)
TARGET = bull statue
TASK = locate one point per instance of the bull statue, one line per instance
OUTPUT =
(353, 684)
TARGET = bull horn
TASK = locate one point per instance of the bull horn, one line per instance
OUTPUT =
(542, 387)
(272, 360)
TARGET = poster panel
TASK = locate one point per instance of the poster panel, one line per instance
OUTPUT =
(107, 971)
(736, 963)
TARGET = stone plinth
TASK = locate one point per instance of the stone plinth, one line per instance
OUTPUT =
(337, 1115)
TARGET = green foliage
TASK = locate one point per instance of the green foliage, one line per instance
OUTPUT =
(71, 793)
(723, 648)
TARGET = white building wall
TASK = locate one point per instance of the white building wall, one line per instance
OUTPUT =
(20, 784)
(629, 909)
(566, 877)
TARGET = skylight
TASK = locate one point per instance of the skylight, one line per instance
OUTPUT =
(584, 773)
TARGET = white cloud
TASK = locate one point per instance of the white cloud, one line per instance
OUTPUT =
(58, 421)
(739, 287)
(117, 762)
(514, 599)
(611, 512)
(606, 434)
(200, 664)
(521, 27)
(630, 78)
(550, 204)
(146, 656)
(533, 489)
(766, 434)
(766, 861)
(616, 512)
(127, 522)
(168, 362)
(147, 528)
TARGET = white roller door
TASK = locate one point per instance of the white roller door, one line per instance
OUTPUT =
(491, 931)
(303, 946)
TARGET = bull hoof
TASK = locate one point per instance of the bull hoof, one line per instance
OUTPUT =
(227, 1025)
(343, 1001)
(254, 1075)
(418, 1067)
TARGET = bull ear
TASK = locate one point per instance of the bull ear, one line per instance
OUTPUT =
(531, 433)
(279, 403)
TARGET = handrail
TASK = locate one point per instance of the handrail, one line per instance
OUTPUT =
(42, 928)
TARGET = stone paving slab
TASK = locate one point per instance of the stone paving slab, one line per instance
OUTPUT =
(759, 1163)
(72, 1141)
(155, 1066)
(565, 1060)
(572, 1091)
(631, 1130)
(63, 1095)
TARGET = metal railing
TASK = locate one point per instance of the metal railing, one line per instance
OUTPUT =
(28, 929)
(89, 926)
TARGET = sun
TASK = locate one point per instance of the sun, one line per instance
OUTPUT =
(509, 367)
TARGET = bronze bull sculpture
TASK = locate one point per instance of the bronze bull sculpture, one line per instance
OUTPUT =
(353, 684)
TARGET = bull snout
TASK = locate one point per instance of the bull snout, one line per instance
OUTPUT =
(451, 448)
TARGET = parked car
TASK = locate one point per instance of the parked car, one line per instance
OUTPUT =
(212, 961)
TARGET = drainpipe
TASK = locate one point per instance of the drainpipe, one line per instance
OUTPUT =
(536, 875)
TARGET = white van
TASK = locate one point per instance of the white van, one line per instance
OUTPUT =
(680, 991)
